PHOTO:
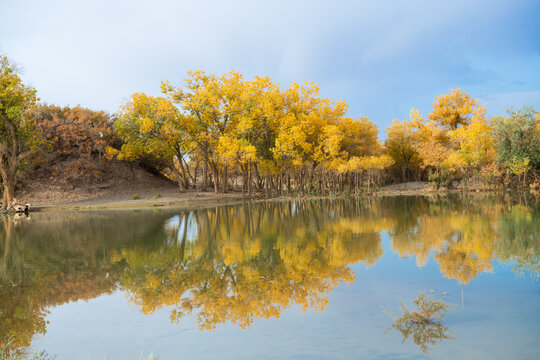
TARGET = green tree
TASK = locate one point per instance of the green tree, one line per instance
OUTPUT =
(517, 140)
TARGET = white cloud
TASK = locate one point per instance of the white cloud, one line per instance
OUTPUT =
(381, 57)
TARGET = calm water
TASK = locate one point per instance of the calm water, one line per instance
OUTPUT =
(276, 280)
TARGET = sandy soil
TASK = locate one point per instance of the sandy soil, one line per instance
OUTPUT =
(150, 199)
(124, 185)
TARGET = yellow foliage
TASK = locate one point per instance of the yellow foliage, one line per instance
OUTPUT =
(235, 151)
(453, 109)
(475, 144)
(258, 128)
(401, 144)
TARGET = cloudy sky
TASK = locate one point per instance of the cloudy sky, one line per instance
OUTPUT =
(381, 57)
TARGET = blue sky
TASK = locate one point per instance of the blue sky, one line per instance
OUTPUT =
(381, 57)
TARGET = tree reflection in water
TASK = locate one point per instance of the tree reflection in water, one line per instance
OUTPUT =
(245, 263)
(241, 263)
(424, 326)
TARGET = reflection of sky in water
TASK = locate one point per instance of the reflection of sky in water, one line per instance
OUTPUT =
(178, 225)
(496, 317)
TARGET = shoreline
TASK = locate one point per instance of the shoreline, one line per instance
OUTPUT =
(194, 199)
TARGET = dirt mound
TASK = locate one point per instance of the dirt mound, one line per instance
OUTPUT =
(120, 180)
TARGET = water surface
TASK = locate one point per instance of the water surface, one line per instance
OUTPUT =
(275, 280)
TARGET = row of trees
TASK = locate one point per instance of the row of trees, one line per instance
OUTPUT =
(227, 128)
(457, 141)
(292, 139)
(216, 131)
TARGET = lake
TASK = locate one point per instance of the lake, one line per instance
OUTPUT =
(300, 279)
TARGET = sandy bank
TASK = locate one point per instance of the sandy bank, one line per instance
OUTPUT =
(197, 199)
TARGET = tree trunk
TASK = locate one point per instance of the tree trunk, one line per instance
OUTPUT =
(178, 174)
(259, 179)
(244, 176)
(187, 172)
(289, 183)
(179, 163)
(224, 185)
(249, 179)
(205, 175)
(216, 178)
(8, 182)
(195, 173)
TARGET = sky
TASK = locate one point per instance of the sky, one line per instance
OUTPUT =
(381, 57)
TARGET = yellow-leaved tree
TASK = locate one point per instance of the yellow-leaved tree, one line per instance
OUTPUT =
(154, 127)
(452, 141)
(401, 145)
(453, 109)
(20, 138)
(475, 144)
(215, 106)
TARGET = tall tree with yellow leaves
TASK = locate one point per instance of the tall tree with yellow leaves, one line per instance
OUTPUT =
(20, 139)
(401, 146)
(214, 104)
(453, 109)
(153, 126)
